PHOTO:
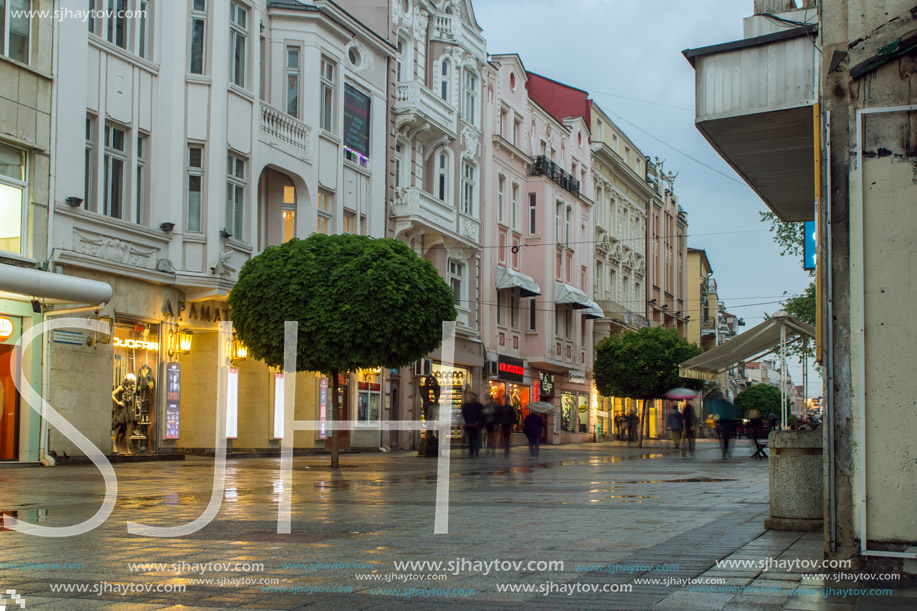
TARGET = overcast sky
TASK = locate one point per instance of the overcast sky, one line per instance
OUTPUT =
(627, 54)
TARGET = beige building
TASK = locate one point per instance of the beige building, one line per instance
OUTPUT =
(25, 180)
(829, 117)
(700, 299)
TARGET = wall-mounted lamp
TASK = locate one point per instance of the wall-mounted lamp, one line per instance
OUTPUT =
(167, 227)
(239, 350)
(180, 341)
(225, 234)
(36, 306)
(74, 201)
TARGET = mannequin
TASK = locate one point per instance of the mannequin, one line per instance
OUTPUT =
(123, 414)
(517, 407)
(146, 386)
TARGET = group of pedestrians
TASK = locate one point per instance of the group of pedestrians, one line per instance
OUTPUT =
(682, 427)
(496, 420)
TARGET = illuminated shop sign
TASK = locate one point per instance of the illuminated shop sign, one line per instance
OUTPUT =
(6, 328)
(510, 369)
(173, 400)
(323, 407)
(356, 122)
(546, 382)
(136, 343)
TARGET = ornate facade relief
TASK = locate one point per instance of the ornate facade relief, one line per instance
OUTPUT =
(365, 57)
(114, 249)
(420, 21)
(471, 142)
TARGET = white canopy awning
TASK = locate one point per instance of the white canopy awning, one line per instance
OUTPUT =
(21, 283)
(755, 342)
(565, 293)
(510, 278)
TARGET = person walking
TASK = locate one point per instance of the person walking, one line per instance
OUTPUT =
(689, 418)
(675, 424)
(490, 426)
(506, 418)
(532, 426)
(473, 414)
(633, 426)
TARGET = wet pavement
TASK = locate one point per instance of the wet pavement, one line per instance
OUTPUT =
(593, 526)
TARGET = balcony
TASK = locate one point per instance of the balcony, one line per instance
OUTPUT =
(451, 28)
(416, 104)
(755, 101)
(542, 166)
(413, 204)
(284, 132)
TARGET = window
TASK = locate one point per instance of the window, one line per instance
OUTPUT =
(626, 283)
(235, 196)
(442, 176)
(323, 220)
(613, 286)
(326, 119)
(568, 323)
(568, 226)
(402, 60)
(456, 281)
(15, 26)
(597, 289)
(469, 190)
(517, 129)
(198, 35)
(350, 222)
(115, 158)
(238, 33)
(195, 193)
(13, 189)
(516, 207)
(599, 129)
(117, 23)
(469, 101)
(558, 222)
(558, 319)
(533, 211)
(141, 210)
(91, 20)
(501, 189)
(89, 175)
(502, 121)
(445, 71)
(513, 309)
(142, 33)
(289, 213)
(532, 315)
(293, 81)
(400, 164)
(499, 307)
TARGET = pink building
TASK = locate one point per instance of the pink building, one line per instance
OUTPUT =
(536, 275)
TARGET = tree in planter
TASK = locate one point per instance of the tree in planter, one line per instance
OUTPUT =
(762, 397)
(360, 303)
(643, 365)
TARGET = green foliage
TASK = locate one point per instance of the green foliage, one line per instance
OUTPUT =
(790, 237)
(762, 397)
(643, 364)
(360, 303)
(802, 307)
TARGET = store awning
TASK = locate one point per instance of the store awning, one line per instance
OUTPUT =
(21, 283)
(510, 279)
(565, 293)
(755, 342)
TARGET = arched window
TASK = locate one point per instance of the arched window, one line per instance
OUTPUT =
(445, 78)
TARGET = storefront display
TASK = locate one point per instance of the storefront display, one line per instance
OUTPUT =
(582, 407)
(136, 361)
(369, 397)
(453, 382)
(567, 411)
(517, 396)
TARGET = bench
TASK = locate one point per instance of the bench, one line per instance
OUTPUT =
(759, 430)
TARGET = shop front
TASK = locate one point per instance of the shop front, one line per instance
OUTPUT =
(453, 382)
(512, 387)
(573, 423)
(19, 425)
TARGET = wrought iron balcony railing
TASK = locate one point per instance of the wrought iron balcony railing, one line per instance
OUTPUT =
(542, 166)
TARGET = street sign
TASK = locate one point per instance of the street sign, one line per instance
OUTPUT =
(810, 245)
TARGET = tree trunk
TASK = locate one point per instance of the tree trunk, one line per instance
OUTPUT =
(335, 433)
(642, 424)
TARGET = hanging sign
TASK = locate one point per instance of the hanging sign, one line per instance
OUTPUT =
(323, 407)
(510, 369)
(546, 384)
(173, 400)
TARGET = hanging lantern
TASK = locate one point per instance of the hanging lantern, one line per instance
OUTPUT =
(239, 350)
(184, 341)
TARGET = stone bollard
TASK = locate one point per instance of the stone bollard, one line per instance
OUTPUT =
(796, 480)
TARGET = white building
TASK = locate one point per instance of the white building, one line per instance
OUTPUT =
(196, 134)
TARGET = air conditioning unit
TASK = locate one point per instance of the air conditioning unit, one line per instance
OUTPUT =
(490, 368)
(423, 367)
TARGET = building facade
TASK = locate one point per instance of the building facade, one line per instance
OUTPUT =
(206, 131)
(438, 83)
(537, 276)
(25, 183)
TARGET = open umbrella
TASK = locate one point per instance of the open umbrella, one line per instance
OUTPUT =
(541, 407)
(681, 393)
(724, 408)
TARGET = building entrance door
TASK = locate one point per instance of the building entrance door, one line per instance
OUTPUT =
(9, 408)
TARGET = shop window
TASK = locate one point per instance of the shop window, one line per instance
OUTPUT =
(516, 396)
(369, 398)
(134, 387)
(13, 191)
(582, 409)
(568, 416)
